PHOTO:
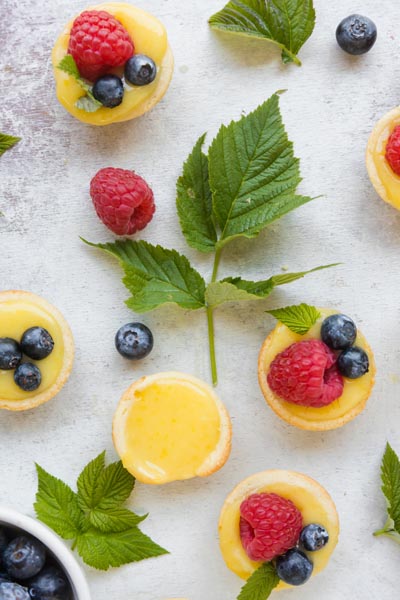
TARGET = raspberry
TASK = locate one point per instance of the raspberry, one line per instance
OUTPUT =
(122, 199)
(392, 154)
(98, 42)
(269, 526)
(306, 374)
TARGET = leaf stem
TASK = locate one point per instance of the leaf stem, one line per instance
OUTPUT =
(217, 258)
(211, 342)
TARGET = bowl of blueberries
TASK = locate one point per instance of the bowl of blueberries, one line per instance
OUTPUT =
(35, 564)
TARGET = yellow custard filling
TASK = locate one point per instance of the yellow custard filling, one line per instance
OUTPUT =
(149, 37)
(16, 316)
(171, 429)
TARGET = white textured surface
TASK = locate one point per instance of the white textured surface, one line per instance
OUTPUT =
(330, 107)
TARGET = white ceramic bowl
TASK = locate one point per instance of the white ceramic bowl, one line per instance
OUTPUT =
(12, 518)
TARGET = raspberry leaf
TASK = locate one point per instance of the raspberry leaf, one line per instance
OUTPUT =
(194, 201)
(260, 584)
(87, 102)
(298, 318)
(7, 142)
(253, 173)
(390, 475)
(286, 23)
(114, 519)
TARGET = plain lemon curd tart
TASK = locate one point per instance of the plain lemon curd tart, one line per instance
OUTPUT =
(273, 514)
(346, 392)
(149, 38)
(171, 426)
(36, 350)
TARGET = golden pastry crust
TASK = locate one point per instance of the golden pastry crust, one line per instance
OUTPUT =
(68, 341)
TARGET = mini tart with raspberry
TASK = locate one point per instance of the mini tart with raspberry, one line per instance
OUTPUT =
(20, 310)
(171, 426)
(385, 181)
(310, 498)
(355, 391)
(149, 37)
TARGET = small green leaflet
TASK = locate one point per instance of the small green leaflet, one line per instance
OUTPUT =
(104, 532)
(286, 23)
(298, 318)
(390, 475)
(87, 102)
(260, 584)
(7, 142)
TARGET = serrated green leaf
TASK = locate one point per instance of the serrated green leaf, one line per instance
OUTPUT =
(105, 550)
(390, 473)
(194, 202)
(88, 104)
(286, 23)
(298, 318)
(114, 519)
(7, 142)
(68, 65)
(260, 584)
(253, 173)
(57, 505)
(89, 491)
(155, 275)
(114, 486)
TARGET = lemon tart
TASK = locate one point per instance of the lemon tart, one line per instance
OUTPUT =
(149, 37)
(19, 312)
(354, 394)
(171, 426)
(308, 496)
(385, 181)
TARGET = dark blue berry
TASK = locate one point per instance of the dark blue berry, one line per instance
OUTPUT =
(28, 377)
(353, 362)
(13, 591)
(3, 540)
(314, 537)
(134, 341)
(50, 584)
(338, 332)
(356, 34)
(109, 90)
(294, 567)
(10, 354)
(37, 343)
(24, 557)
(140, 70)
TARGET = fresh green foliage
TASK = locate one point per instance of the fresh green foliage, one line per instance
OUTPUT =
(247, 180)
(390, 475)
(286, 23)
(7, 142)
(260, 584)
(87, 102)
(104, 533)
(298, 318)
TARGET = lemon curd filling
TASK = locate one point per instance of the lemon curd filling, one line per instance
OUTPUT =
(171, 429)
(16, 316)
(149, 38)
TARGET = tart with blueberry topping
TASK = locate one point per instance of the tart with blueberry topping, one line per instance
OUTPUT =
(36, 350)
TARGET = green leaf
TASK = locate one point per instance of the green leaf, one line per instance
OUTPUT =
(105, 550)
(88, 102)
(89, 492)
(260, 584)
(57, 505)
(114, 519)
(298, 318)
(253, 173)
(68, 65)
(156, 275)
(7, 142)
(390, 473)
(286, 23)
(194, 202)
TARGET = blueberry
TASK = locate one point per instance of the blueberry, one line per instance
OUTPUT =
(140, 70)
(10, 354)
(37, 343)
(3, 540)
(24, 557)
(134, 341)
(356, 34)
(13, 591)
(50, 584)
(314, 537)
(353, 362)
(109, 90)
(28, 377)
(294, 567)
(338, 332)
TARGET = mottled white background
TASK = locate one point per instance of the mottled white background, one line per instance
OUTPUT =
(330, 107)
